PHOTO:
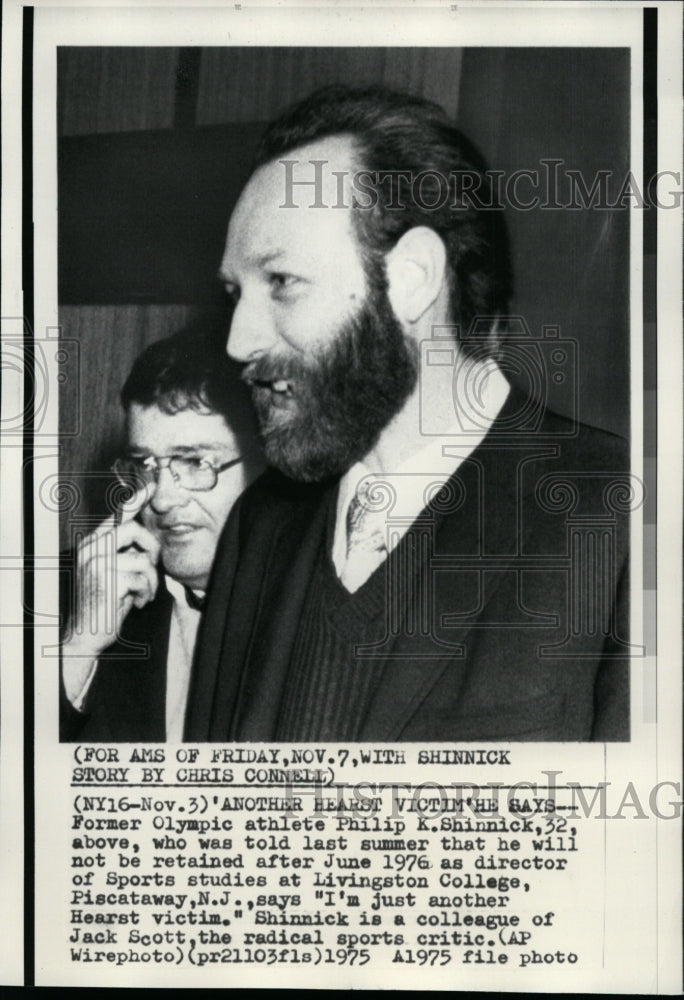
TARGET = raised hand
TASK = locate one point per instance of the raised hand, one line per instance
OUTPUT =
(116, 570)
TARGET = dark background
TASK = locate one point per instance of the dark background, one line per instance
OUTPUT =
(155, 144)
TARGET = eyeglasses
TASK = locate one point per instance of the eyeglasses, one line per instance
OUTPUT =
(192, 472)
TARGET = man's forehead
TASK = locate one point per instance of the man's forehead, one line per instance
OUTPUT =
(292, 209)
(332, 157)
(309, 176)
(185, 428)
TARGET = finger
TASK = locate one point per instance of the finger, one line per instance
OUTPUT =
(141, 586)
(104, 570)
(134, 533)
(130, 508)
(127, 604)
(144, 567)
(134, 561)
(140, 600)
(123, 514)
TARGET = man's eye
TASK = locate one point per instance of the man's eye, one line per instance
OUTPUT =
(194, 461)
(281, 282)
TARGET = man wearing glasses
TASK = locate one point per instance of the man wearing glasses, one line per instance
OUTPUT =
(141, 576)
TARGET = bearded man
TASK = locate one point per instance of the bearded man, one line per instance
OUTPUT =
(406, 570)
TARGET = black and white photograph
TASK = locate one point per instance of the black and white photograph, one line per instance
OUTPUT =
(436, 343)
(342, 416)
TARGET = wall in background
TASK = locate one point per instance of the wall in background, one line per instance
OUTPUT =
(524, 106)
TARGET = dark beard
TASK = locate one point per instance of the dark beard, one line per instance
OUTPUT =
(342, 398)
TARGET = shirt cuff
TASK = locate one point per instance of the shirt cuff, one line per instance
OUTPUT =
(79, 700)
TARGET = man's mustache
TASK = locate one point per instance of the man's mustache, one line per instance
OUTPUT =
(278, 374)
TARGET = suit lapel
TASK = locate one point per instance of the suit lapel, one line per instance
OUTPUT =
(205, 716)
(444, 590)
(254, 608)
(286, 580)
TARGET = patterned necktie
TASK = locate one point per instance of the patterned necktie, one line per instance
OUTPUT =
(366, 546)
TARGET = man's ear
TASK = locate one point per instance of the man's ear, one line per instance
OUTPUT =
(416, 273)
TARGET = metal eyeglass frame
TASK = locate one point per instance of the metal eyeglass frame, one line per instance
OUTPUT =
(168, 464)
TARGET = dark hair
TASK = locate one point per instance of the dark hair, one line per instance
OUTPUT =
(397, 134)
(187, 371)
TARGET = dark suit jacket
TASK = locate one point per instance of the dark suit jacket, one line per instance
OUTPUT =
(524, 581)
(126, 701)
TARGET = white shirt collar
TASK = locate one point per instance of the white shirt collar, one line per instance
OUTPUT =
(404, 492)
(182, 637)
(177, 591)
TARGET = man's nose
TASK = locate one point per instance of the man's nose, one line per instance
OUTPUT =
(167, 493)
(251, 332)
